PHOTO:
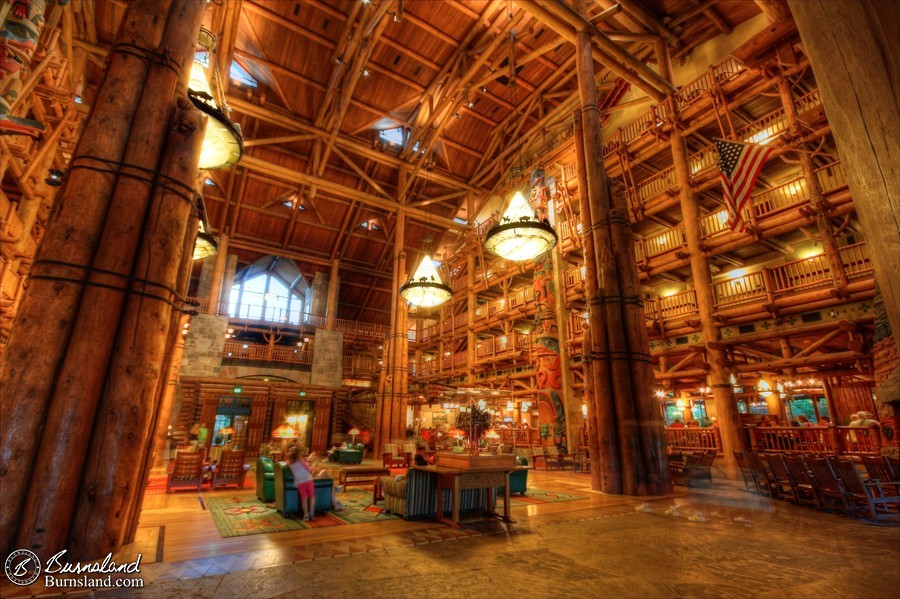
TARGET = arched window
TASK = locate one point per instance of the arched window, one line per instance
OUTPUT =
(265, 296)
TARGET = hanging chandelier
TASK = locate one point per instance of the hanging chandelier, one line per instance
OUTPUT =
(520, 235)
(205, 245)
(222, 144)
(425, 288)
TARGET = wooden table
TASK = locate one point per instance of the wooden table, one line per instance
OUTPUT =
(456, 480)
(364, 475)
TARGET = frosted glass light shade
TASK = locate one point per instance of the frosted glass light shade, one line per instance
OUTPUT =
(222, 144)
(519, 235)
(425, 288)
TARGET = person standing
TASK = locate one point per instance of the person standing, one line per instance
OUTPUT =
(303, 480)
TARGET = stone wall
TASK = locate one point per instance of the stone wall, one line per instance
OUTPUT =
(204, 345)
(327, 367)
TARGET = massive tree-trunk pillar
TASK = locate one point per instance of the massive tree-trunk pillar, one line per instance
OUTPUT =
(853, 48)
(390, 413)
(638, 430)
(113, 249)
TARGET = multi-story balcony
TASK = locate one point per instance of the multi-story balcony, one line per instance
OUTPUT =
(757, 294)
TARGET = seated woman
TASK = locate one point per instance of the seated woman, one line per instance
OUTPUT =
(319, 472)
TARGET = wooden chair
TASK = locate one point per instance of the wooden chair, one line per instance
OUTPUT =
(555, 459)
(392, 458)
(879, 469)
(867, 498)
(783, 481)
(696, 467)
(229, 470)
(751, 484)
(538, 453)
(763, 475)
(410, 450)
(804, 484)
(830, 487)
(187, 472)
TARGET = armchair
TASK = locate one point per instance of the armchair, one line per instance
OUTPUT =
(187, 472)
(287, 499)
(230, 470)
(265, 480)
(392, 458)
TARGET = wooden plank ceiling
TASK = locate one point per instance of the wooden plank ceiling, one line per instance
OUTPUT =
(332, 74)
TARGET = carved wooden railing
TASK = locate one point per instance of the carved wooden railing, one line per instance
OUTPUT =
(845, 440)
(498, 346)
(260, 352)
(678, 305)
(693, 439)
(741, 290)
(667, 241)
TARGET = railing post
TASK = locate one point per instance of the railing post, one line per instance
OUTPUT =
(754, 442)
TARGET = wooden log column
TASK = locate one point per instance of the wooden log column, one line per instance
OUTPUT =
(389, 416)
(471, 306)
(604, 449)
(816, 199)
(634, 469)
(217, 294)
(39, 345)
(334, 285)
(853, 48)
(547, 356)
(719, 377)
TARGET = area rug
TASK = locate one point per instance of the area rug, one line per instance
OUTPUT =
(537, 497)
(242, 515)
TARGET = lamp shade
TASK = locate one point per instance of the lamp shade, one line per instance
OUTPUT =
(425, 288)
(285, 431)
(205, 246)
(519, 235)
(222, 144)
(227, 430)
(353, 431)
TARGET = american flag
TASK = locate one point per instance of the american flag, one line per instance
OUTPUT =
(740, 165)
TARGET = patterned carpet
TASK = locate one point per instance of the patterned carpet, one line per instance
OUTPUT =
(241, 515)
(537, 496)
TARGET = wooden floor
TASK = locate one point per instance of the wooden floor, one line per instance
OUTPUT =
(174, 527)
(722, 542)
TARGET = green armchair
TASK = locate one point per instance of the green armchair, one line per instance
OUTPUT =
(287, 499)
(265, 480)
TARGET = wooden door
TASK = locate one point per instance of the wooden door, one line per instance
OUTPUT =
(255, 432)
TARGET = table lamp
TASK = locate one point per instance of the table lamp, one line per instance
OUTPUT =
(353, 431)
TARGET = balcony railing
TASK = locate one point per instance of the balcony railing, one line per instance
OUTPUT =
(667, 241)
(745, 289)
(693, 439)
(678, 305)
(792, 276)
(845, 440)
(236, 350)
(496, 346)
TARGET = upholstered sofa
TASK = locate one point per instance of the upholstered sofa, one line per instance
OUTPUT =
(348, 455)
(414, 495)
(287, 499)
(265, 480)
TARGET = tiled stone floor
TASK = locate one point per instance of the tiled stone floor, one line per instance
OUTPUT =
(720, 542)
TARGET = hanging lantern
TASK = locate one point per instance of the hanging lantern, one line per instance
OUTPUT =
(205, 245)
(426, 288)
(223, 144)
(520, 235)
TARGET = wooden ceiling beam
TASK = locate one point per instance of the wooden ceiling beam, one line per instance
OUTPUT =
(566, 22)
(240, 242)
(355, 146)
(288, 174)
